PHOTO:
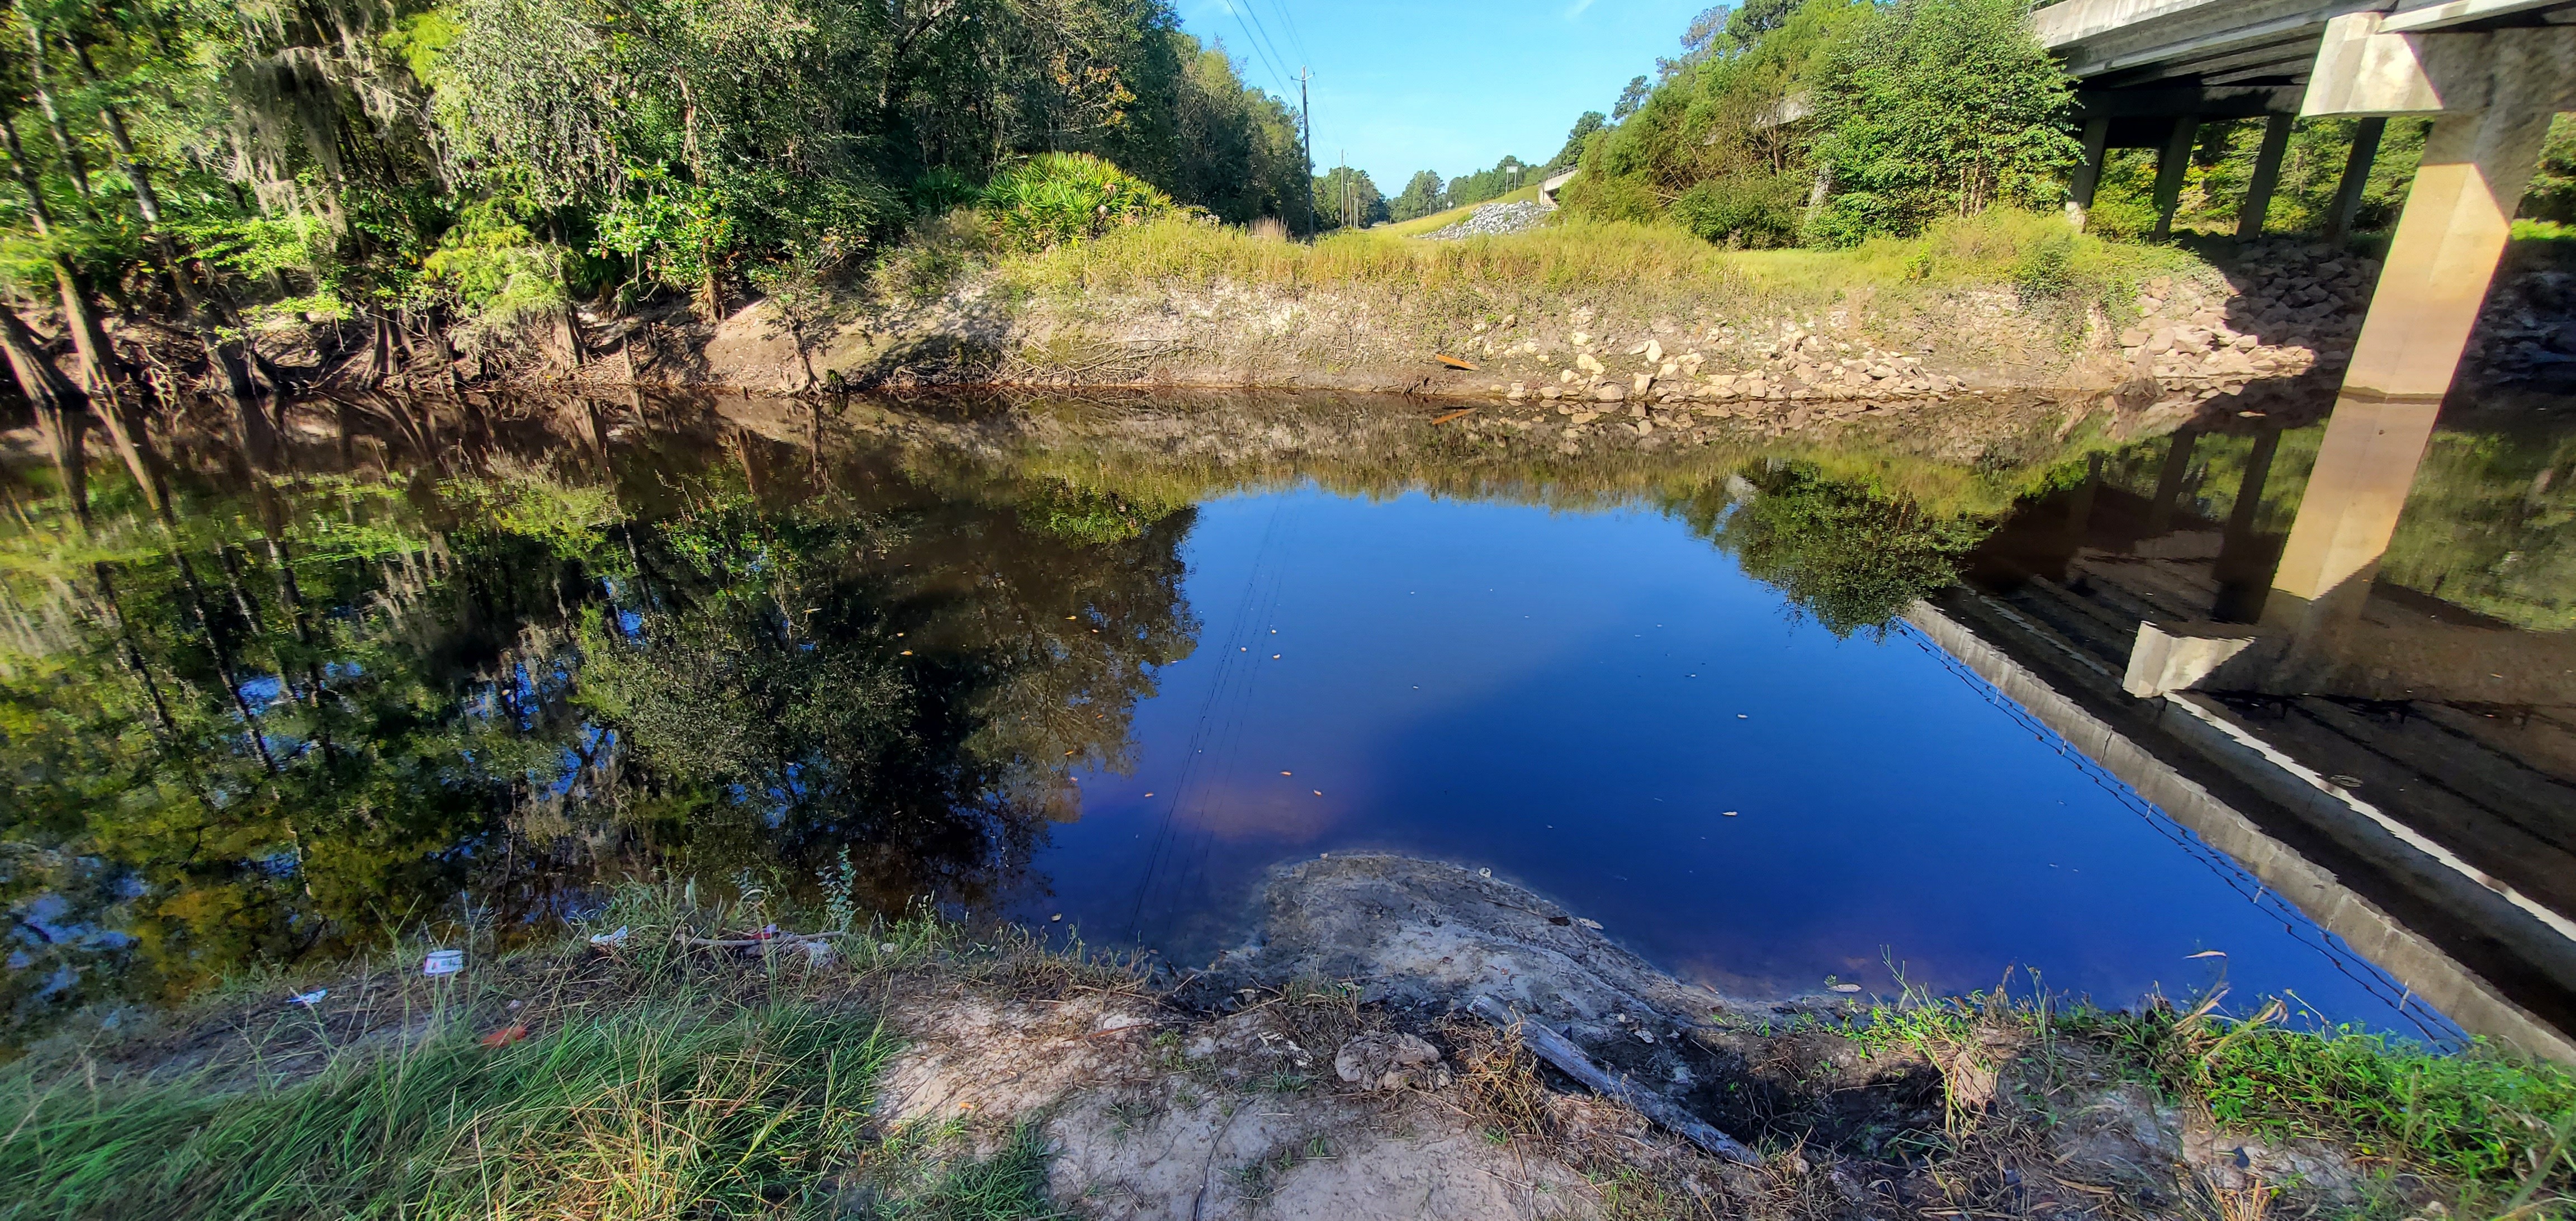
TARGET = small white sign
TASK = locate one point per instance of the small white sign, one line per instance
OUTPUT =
(443, 962)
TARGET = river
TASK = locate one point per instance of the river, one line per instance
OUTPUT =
(455, 670)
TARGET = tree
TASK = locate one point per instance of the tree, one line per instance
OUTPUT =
(1939, 108)
(1345, 198)
(1630, 99)
(1505, 177)
(1704, 150)
(1843, 551)
(1423, 195)
(1585, 124)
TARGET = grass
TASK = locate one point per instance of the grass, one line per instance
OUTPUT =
(660, 1110)
(659, 1081)
(1997, 248)
(2497, 1131)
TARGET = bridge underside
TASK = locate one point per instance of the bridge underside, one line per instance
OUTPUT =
(2489, 73)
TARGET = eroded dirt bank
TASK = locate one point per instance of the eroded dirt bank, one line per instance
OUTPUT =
(2280, 317)
(1330, 1067)
(1265, 1085)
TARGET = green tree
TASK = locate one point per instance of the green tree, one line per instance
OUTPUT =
(1630, 98)
(1847, 552)
(1585, 124)
(1423, 195)
(1705, 150)
(1345, 198)
(1506, 176)
(1939, 108)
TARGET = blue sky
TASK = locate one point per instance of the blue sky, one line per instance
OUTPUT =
(1448, 86)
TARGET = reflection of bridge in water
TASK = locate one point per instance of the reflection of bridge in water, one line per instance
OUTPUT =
(2400, 769)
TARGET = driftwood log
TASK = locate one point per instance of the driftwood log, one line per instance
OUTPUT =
(1556, 1049)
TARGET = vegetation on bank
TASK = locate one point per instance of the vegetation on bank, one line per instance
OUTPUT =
(656, 1078)
(647, 1080)
(1826, 122)
(1616, 268)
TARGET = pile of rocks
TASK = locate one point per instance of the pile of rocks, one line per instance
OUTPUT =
(1494, 219)
(1794, 363)
(2528, 330)
(2288, 308)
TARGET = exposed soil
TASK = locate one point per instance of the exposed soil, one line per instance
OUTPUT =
(1326, 1069)
(1221, 1098)
(2278, 319)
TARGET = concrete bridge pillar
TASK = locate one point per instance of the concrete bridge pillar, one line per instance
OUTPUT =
(2172, 161)
(2492, 95)
(2088, 172)
(2267, 175)
(2356, 178)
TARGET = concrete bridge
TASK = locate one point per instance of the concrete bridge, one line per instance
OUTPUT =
(2489, 73)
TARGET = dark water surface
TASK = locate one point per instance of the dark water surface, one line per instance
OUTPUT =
(1113, 662)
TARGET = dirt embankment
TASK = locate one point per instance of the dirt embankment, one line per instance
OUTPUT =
(1275, 1084)
(1332, 1067)
(2278, 320)
(2281, 317)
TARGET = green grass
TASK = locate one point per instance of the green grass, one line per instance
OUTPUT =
(1612, 264)
(1441, 220)
(2496, 1130)
(1010, 1184)
(659, 1081)
(663, 1109)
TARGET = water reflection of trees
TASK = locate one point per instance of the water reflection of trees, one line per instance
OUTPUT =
(308, 707)
(1841, 549)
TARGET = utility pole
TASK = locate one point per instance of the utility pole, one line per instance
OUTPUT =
(1306, 145)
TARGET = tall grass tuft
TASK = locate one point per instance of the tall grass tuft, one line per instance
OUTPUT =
(663, 1109)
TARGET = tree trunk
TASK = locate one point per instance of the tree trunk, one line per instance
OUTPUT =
(61, 409)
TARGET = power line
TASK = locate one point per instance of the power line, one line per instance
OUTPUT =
(1243, 9)
(1289, 21)
(1269, 59)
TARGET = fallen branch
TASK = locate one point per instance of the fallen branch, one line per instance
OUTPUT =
(1569, 1059)
(744, 943)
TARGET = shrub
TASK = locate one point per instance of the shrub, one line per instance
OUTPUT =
(1054, 198)
(1754, 210)
(1939, 107)
(1607, 198)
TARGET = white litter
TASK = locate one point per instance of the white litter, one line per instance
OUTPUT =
(443, 962)
(615, 938)
(309, 999)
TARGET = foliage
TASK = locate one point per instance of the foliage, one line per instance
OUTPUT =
(2468, 1117)
(1939, 108)
(1746, 209)
(495, 159)
(1346, 198)
(2221, 168)
(1423, 195)
(1054, 198)
(1706, 149)
(1506, 176)
(1239, 152)
(519, 681)
(649, 1110)
(2552, 194)
(1842, 550)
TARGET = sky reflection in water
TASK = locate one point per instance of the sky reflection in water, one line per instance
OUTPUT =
(1578, 700)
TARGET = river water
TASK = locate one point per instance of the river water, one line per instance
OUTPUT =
(447, 665)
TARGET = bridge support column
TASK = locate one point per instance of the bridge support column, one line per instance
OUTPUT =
(2492, 96)
(2267, 175)
(2356, 177)
(2448, 240)
(2088, 172)
(2171, 162)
